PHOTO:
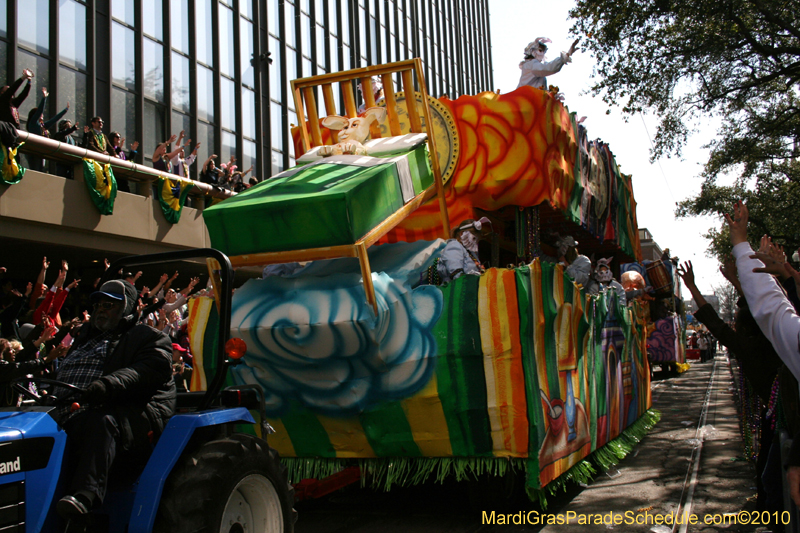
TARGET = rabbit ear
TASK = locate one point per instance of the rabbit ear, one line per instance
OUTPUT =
(335, 122)
(376, 113)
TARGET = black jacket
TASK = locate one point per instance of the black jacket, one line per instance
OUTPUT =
(138, 378)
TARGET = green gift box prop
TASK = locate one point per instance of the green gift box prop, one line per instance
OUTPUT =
(332, 202)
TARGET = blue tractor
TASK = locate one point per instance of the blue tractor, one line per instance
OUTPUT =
(202, 475)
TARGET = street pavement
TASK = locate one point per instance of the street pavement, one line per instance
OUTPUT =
(691, 463)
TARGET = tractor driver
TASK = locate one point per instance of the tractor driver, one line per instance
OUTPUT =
(126, 370)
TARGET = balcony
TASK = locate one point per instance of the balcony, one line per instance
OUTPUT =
(51, 210)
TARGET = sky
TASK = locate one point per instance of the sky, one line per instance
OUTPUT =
(657, 187)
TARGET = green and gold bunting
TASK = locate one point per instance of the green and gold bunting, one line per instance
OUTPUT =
(12, 172)
(101, 184)
(172, 195)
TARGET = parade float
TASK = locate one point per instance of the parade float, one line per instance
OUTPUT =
(371, 371)
(664, 312)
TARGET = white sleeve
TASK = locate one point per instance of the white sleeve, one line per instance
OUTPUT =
(176, 304)
(546, 69)
(771, 309)
(189, 160)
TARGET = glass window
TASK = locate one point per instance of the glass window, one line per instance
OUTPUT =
(321, 45)
(319, 10)
(72, 90)
(154, 19)
(345, 23)
(3, 60)
(41, 68)
(205, 136)
(276, 125)
(307, 68)
(153, 70)
(305, 5)
(305, 30)
(228, 147)
(205, 54)
(226, 37)
(335, 44)
(248, 158)
(123, 10)
(246, 8)
(205, 93)
(33, 24)
(123, 115)
(272, 16)
(228, 111)
(181, 122)
(246, 49)
(154, 129)
(180, 82)
(332, 23)
(277, 163)
(362, 30)
(3, 20)
(178, 24)
(72, 33)
(249, 113)
(291, 72)
(375, 35)
(346, 64)
(289, 24)
(275, 68)
(123, 63)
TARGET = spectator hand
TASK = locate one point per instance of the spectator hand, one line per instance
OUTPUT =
(771, 265)
(73, 284)
(86, 129)
(175, 275)
(56, 353)
(95, 393)
(738, 223)
(28, 289)
(45, 263)
(27, 73)
(44, 92)
(2, 270)
(686, 272)
(16, 293)
(86, 317)
(135, 145)
(728, 269)
(107, 263)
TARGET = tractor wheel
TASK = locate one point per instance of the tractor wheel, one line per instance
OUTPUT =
(233, 485)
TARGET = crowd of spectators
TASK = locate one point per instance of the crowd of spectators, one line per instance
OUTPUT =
(40, 322)
(177, 160)
(765, 339)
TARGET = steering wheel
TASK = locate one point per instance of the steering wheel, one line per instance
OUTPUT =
(17, 384)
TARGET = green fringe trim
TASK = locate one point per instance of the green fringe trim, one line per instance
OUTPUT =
(384, 472)
(604, 458)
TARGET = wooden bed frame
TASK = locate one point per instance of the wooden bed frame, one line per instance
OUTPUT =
(304, 92)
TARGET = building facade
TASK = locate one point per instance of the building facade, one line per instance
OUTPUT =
(221, 69)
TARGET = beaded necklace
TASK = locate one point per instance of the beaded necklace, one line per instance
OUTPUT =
(101, 141)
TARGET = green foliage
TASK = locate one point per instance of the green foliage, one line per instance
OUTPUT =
(773, 203)
(680, 58)
(738, 60)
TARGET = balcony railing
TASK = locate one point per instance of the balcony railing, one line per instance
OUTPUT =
(73, 155)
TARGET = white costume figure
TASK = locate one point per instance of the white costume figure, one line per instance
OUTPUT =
(535, 70)
(377, 92)
(603, 279)
(460, 255)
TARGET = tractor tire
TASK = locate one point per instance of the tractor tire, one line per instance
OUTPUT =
(232, 485)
